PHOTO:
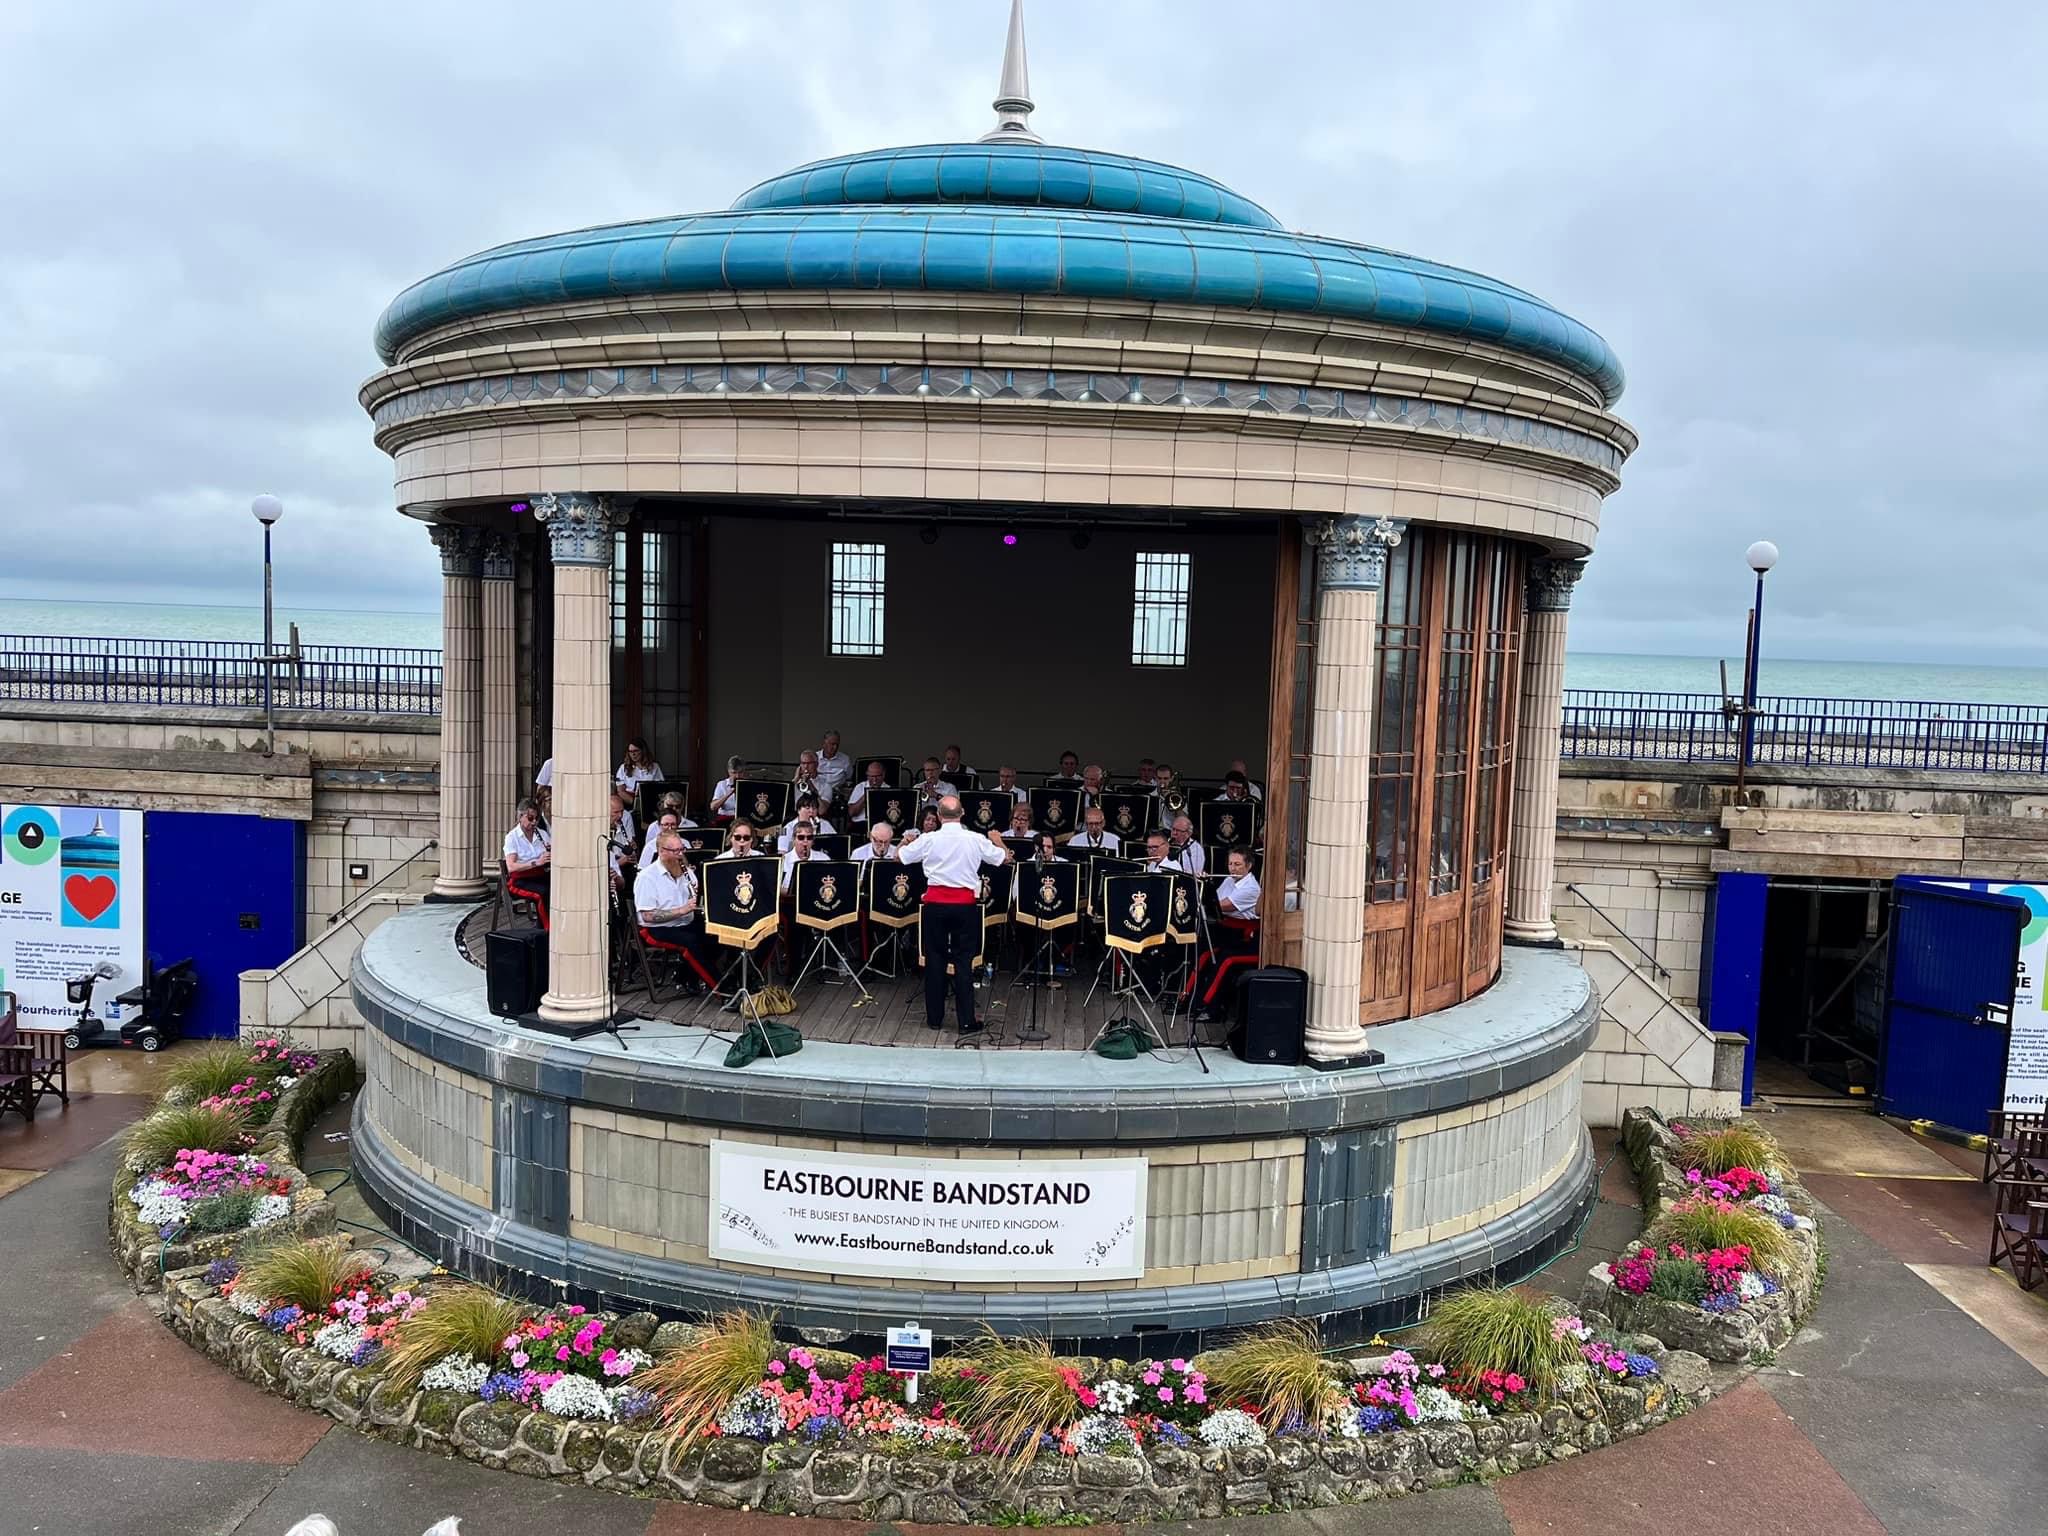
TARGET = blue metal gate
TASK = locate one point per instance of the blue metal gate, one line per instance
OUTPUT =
(1954, 962)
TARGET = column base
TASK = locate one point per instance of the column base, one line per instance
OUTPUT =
(1531, 935)
(578, 1029)
(459, 890)
(595, 1011)
(1365, 1057)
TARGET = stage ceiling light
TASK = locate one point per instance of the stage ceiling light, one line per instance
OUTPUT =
(1009, 538)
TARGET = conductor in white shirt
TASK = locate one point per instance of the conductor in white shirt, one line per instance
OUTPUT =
(952, 858)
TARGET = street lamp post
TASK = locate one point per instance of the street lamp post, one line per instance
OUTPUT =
(267, 510)
(1762, 555)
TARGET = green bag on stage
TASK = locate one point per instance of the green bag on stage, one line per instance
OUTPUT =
(763, 1037)
(1122, 1042)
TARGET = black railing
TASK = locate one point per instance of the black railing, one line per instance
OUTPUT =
(367, 679)
(1808, 732)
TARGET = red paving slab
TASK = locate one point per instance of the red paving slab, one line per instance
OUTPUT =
(61, 1132)
(132, 1385)
(694, 1520)
(1920, 1221)
(1740, 1464)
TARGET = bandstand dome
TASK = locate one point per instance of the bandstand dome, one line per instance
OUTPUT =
(1003, 219)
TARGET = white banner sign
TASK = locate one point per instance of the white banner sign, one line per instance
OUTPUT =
(927, 1218)
(70, 900)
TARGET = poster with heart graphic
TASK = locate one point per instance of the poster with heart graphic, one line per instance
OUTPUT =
(70, 901)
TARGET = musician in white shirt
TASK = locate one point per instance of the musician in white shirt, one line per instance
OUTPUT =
(808, 814)
(1142, 783)
(739, 842)
(528, 848)
(1234, 942)
(639, 766)
(1020, 821)
(1185, 852)
(1092, 785)
(1237, 893)
(1069, 776)
(670, 822)
(1158, 854)
(881, 844)
(666, 901)
(1006, 783)
(933, 787)
(802, 847)
(857, 807)
(1235, 786)
(623, 830)
(725, 799)
(1237, 766)
(835, 770)
(806, 780)
(952, 858)
(1092, 835)
(951, 768)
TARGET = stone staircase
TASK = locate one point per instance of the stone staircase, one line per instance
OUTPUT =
(308, 995)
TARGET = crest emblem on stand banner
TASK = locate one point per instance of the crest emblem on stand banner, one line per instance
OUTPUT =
(899, 891)
(1125, 821)
(828, 893)
(743, 891)
(895, 813)
(1226, 827)
(1180, 902)
(1053, 813)
(1048, 892)
(1137, 912)
(761, 803)
(984, 888)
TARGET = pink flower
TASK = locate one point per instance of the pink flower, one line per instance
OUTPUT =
(1178, 1365)
(776, 1367)
(1195, 1393)
(1166, 1394)
(562, 1353)
(1152, 1377)
(519, 1358)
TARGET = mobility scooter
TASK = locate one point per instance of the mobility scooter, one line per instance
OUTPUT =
(156, 1009)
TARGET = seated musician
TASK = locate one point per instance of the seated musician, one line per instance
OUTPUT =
(619, 839)
(622, 817)
(857, 798)
(951, 768)
(1185, 852)
(1234, 941)
(802, 847)
(1020, 821)
(880, 846)
(1006, 783)
(934, 786)
(1092, 785)
(928, 822)
(1092, 834)
(739, 842)
(1046, 850)
(806, 780)
(797, 940)
(670, 822)
(639, 765)
(665, 898)
(1237, 766)
(1142, 782)
(808, 814)
(528, 849)
(1069, 776)
(725, 799)
(1158, 853)
(1235, 786)
(544, 803)
(835, 771)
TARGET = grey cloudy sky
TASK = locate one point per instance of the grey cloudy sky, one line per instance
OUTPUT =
(1814, 233)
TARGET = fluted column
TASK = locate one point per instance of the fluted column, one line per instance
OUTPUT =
(500, 724)
(1351, 565)
(1539, 740)
(580, 531)
(462, 686)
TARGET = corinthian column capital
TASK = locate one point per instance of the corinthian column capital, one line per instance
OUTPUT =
(1551, 583)
(458, 546)
(579, 526)
(1351, 552)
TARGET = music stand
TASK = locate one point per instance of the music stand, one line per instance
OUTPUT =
(826, 899)
(1048, 898)
(647, 799)
(1129, 816)
(707, 842)
(1021, 848)
(895, 895)
(986, 810)
(1228, 823)
(1136, 909)
(1187, 925)
(834, 845)
(741, 909)
(1057, 811)
(898, 807)
(1099, 864)
(764, 802)
(892, 770)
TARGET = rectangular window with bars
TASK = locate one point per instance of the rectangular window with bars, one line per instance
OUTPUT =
(857, 592)
(1159, 611)
(653, 589)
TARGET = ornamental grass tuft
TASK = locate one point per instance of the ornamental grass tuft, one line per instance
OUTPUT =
(153, 1142)
(1280, 1367)
(210, 1071)
(457, 1320)
(229, 1212)
(1702, 1225)
(1018, 1391)
(1487, 1328)
(1675, 1279)
(1735, 1146)
(730, 1354)
(306, 1274)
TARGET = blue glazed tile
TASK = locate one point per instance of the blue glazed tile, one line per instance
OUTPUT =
(820, 259)
(499, 285)
(889, 253)
(1400, 296)
(956, 261)
(1162, 266)
(1225, 274)
(694, 261)
(963, 178)
(757, 259)
(636, 265)
(825, 185)
(587, 271)
(1093, 265)
(1013, 179)
(1025, 263)
(1065, 182)
(539, 276)
(1489, 320)
(1447, 306)
(1201, 200)
(1288, 280)
(1349, 288)
(866, 182)
(1113, 187)
(914, 178)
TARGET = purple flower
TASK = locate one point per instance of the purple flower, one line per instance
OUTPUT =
(1788, 1220)
(221, 1271)
(1641, 1365)
(1169, 1433)
(1722, 1301)
(636, 1404)
(1372, 1420)
(502, 1384)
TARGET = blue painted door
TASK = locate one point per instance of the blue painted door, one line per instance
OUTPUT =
(1954, 961)
(225, 891)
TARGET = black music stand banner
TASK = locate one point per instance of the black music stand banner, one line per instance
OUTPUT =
(1048, 893)
(895, 892)
(986, 810)
(898, 807)
(705, 841)
(1135, 911)
(764, 802)
(996, 883)
(1184, 913)
(740, 904)
(827, 893)
(647, 799)
(1228, 823)
(1127, 815)
(834, 845)
(1021, 848)
(1100, 867)
(1057, 811)
(892, 770)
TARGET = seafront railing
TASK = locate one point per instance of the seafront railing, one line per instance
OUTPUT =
(364, 679)
(1808, 732)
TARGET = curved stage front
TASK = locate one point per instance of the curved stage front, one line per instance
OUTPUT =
(615, 1175)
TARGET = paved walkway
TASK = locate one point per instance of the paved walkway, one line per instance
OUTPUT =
(1914, 1403)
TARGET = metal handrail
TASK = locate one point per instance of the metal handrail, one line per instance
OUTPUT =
(1655, 964)
(369, 890)
(61, 669)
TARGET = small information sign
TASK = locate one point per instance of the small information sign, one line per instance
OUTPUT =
(909, 1348)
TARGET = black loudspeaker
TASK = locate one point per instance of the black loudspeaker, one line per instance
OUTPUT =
(1272, 1017)
(515, 970)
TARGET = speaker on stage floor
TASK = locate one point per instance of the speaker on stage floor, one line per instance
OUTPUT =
(1272, 1017)
(515, 970)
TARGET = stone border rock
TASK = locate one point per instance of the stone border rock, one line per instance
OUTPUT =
(147, 1259)
(841, 1481)
(1752, 1331)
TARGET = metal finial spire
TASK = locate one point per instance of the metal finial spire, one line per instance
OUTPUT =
(1013, 102)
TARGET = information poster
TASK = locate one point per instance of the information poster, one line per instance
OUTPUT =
(927, 1218)
(70, 901)
(2026, 1054)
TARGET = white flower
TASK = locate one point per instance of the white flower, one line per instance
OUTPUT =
(269, 1209)
(1230, 1429)
(1340, 1420)
(1102, 1434)
(339, 1341)
(752, 1413)
(577, 1397)
(1772, 1205)
(1116, 1396)
(1474, 1412)
(160, 1210)
(1750, 1285)
(1433, 1405)
(458, 1373)
(248, 1303)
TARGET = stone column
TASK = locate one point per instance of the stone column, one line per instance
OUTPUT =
(1351, 565)
(1539, 738)
(580, 531)
(462, 687)
(500, 706)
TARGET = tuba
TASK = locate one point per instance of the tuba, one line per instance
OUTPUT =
(1173, 800)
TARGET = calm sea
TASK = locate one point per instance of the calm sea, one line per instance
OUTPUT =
(1647, 674)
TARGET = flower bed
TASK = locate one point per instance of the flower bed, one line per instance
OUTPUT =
(200, 1203)
(822, 1432)
(1734, 1302)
